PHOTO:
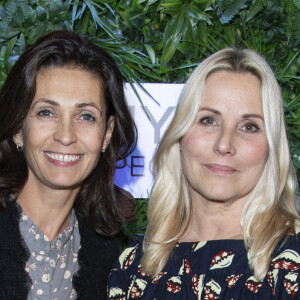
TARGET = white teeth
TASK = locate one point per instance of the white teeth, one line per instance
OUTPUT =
(61, 157)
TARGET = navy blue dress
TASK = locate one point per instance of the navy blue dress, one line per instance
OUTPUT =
(208, 270)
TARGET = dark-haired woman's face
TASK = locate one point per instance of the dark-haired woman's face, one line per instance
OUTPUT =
(66, 127)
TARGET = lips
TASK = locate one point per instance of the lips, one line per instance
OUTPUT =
(62, 157)
(222, 259)
(288, 260)
(231, 280)
(137, 288)
(291, 284)
(212, 290)
(174, 284)
(253, 285)
(127, 257)
(220, 169)
(116, 294)
(157, 277)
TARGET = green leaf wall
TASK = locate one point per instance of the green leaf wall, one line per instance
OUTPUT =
(162, 41)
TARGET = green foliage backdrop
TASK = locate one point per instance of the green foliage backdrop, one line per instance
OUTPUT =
(163, 40)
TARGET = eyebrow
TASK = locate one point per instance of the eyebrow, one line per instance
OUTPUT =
(245, 116)
(210, 109)
(54, 103)
(79, 105)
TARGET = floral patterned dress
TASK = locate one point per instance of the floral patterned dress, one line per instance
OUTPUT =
(216, 269)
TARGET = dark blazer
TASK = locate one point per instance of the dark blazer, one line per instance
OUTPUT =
(95, 258)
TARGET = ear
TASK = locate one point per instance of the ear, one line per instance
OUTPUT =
(18, 139)
(109, 131)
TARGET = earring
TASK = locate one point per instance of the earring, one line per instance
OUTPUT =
(103, 150)
(19, 148)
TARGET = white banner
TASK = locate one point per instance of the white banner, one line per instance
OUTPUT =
(136, 177)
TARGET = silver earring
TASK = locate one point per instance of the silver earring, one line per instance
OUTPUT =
(19, 148)
(103, 150)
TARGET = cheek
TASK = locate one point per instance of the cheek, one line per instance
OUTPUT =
(255, 153)
(196, 145)
(92, 140)
(34, 134)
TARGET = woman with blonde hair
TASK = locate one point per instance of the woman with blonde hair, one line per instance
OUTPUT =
(223, 222)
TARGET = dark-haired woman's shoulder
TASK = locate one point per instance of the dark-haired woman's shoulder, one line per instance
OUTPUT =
(125, 267)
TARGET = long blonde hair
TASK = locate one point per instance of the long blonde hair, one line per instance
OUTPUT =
(270, 211)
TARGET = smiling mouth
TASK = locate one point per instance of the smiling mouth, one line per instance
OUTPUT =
(63, 157)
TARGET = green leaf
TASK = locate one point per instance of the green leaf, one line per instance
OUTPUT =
(203, 1)
(287, 66)
(74, 13)
(297, 3)
(197, 14)
(97, 19)
(9, 47)
(9, 11)
(171, 7)
(41, 13)
(151, 53)
(151, 2)
(170, 48)
(229, 8)
(3, 77)
(126, 19)
(172, 36)
(297, 27)
(255, 8)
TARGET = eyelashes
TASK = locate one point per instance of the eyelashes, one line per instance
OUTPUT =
(210, 121)
(207, 120)
(87, 117)
(47, 113)
(251, 127)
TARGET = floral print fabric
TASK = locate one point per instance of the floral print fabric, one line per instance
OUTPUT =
(208, 270)
(51, 265)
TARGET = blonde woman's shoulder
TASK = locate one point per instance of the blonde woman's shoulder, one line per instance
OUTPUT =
(297, 226)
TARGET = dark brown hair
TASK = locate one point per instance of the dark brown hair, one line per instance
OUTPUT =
(97, 198)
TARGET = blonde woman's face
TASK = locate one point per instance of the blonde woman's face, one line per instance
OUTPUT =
(224, 152)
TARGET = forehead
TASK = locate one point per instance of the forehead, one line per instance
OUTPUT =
(230, 91)
(69, 83)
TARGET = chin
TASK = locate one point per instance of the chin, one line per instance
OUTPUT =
(61, 185)
(221, 196)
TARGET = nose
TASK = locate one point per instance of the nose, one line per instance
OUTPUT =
(224, 143)
(65, 133)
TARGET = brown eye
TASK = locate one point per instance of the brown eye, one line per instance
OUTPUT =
(207, 121)
(251, 127)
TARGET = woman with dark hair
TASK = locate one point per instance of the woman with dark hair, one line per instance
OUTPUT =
(64, 125)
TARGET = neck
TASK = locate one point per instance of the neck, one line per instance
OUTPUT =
(49, 209)
(214, 220)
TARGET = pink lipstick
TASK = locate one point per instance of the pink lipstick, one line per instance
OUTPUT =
(220, 169)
